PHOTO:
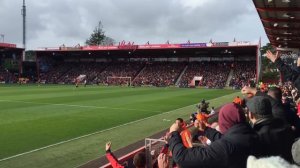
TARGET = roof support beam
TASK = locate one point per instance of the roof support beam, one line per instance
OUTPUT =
(283, 35)
(282, 9)
(281, 20)
(282, 28)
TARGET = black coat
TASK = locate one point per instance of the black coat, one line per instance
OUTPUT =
(276, 138)
(278, 110)
(228, 150)
(288, 73)
(283, 112)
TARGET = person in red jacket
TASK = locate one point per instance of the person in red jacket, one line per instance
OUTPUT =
(139, 159)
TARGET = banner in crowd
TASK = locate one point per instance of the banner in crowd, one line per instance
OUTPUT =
(131, 46)
(240, 43)
(128, 47)
(70, 48)
(100, 48)
(158, 46)
(219, 44)
(191, 45)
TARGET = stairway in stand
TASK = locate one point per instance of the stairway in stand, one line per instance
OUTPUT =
(229, 78)
(179, 78)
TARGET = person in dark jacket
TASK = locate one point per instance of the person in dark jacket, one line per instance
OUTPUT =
(276, 137)
(274, 96)
(278, 109)
(229, 148)
(288, 73)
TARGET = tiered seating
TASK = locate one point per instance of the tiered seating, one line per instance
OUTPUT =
(6, 76)
(243, 72)
(214, 74)
(56, 73)
(159, 74)
(119, 69)
(89, 69)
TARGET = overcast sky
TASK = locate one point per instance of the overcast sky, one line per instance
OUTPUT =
(51, 23)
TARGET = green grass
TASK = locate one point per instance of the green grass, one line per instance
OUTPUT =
(32, 117)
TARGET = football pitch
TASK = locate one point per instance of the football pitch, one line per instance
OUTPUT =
(64, 126)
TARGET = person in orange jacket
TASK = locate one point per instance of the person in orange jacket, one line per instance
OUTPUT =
(185, 133)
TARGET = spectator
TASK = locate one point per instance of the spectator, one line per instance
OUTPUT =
(275, 136)
(229, 148)
(298, 107)
(274, 96)
(296, 152)
(139, 159)
(212, 111)
(185, 134)
(287, 72)
(163, 161)
(269, 162)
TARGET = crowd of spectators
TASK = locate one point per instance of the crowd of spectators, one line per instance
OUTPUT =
(260, 131)
(214, 74)
(159, 74)
(91, 70)
(243, 73)
(55, 73)
(127, 70)
(6, 76)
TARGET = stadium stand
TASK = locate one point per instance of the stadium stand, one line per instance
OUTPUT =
(91, 70)
(159, 74)
(6, 76)
(55, 73)
(120, 69)
(243, 72)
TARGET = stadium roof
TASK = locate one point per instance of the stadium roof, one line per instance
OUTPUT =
(9, 47)
(281, 20)
(156, 50)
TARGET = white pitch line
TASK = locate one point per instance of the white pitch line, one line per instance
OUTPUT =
(74, 105)
(62, 142)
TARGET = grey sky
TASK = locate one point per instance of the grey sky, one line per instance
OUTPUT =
(51, 23)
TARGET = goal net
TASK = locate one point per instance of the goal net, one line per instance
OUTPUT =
(153, 148)
(119, 80)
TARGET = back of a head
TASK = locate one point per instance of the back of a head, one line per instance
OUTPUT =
(180, 120)
(295, 152)
(275, 93)
(268, 162)
(230, 115)
(260, 107)
(139, 160)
